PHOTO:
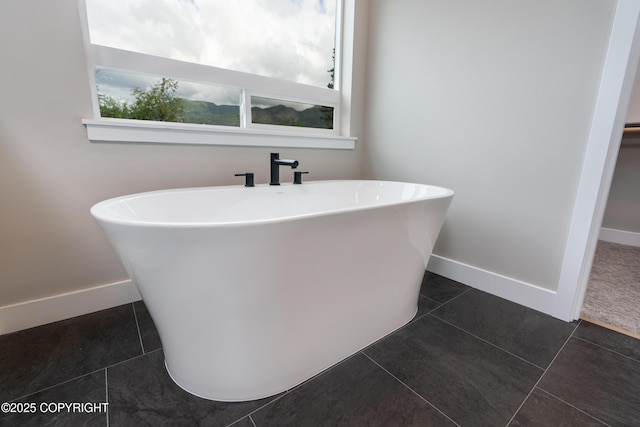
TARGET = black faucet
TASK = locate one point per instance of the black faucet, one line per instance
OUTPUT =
(248, 181)
(276, 162)
(297, 177)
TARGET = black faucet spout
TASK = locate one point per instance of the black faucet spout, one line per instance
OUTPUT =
(287, 162)
(275, 164)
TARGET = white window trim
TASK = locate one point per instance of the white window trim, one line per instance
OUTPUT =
(140, 131)
(143, 131)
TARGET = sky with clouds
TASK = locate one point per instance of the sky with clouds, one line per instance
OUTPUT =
(287, 39)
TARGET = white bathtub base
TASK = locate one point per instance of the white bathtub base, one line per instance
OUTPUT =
(306, 377)
(249, 310)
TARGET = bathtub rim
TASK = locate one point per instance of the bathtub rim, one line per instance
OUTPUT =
(97, 209)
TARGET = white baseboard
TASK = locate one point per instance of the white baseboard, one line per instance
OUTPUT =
(514, 290)
(65, 306)
(38, 312)
(620, 236)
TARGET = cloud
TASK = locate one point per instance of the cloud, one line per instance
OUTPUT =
(287, 39)
(119, 84)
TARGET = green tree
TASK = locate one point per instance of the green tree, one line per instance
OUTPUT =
(159, 103)
(112, 107)
(327, 112)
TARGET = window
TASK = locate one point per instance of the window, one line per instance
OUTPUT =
(195, 67)
(140, 96)
(282, 113)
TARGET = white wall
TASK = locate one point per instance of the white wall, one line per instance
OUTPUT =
(495, 100)
(622, 216)
(623, 205)
(633, 114)
(50, 175)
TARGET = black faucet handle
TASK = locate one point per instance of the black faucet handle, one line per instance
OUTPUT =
(297, 177)
(248, 182)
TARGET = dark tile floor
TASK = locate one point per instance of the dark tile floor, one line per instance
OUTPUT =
(467, 359)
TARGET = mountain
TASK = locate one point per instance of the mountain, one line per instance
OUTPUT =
(281, 115)
(203, 112)
(208, 113)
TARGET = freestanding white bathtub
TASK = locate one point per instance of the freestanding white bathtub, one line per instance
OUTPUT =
(255, 290)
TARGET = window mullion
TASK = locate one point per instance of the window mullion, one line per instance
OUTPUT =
(245, 109)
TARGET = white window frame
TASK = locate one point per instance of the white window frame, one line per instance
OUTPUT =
(248, 134)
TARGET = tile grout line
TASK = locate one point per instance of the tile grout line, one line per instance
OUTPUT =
(82, 375)
(413, 320)
(284, 393)
(409, 388)
(132, 358)
(488, 342)
(361, 351)
(416, 317)
(55, 385)
(608, 349)
(252, 422)
(440, 304)
(24, 396)
(574, 407)
(319, 374)
(452, 299)
(431, 299)
(133, 307)
(302, 384)
(543, 374)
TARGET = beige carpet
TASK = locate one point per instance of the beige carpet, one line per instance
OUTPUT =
(613, 293)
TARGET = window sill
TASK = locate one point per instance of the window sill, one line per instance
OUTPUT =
(119, 130)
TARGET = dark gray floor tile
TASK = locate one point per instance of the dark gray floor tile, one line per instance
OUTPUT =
(47, 355)
(89, 389)
(527, 333)
(543, 410)
(474, 383)
(141, 393)
(440, 288)
(356, 392)
(425, 305)
(597, 381)
(148, 332)
(607, 338)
